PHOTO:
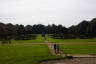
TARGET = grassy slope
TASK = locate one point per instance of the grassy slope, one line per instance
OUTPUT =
(38, 40)
(24, 54)
(78, 48)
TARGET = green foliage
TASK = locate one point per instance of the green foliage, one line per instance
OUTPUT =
(26, 37)
(85, 28)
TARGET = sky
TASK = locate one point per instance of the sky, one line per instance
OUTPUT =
(65, 12)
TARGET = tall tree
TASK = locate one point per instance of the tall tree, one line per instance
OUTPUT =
(28, 29)
(10, 28)
(91, 30)
(82, 27)
(3, 31)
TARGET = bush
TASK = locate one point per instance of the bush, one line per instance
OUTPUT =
(85, 37)
(25, 37)
(6, 42)
(70, 36)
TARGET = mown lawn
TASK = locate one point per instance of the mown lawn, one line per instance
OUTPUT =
(75, 46)
(51, 40)
(37, 40)
(78, 48)
(24, 54)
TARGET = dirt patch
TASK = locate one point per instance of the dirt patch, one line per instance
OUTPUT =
(83, 60)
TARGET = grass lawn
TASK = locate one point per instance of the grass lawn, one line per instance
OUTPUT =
(78, 48)
(24, 54)
(51, 40)
(38, 40)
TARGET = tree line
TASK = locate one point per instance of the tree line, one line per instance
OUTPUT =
(84, 29)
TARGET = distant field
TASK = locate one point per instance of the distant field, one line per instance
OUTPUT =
(78, 48)
(38, 40)
(51, 40)
(24, 54)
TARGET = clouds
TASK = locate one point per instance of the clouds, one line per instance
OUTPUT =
(66, 12)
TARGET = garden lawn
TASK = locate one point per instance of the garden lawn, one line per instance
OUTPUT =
(78, 48)
(24, 54)
(51, 40)
(37, 40)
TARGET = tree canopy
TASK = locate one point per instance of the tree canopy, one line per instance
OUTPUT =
(85, 28)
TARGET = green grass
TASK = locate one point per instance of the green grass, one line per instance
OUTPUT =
(78, 48)
(38, 40)
(24, 54)
(51, 40)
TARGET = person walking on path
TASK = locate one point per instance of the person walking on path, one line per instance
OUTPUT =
(56, 48)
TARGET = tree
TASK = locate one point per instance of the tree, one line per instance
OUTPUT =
(19, 32)
(10, 28)
(91, 30)
(82, 27)
(28, 29)
(3, 31)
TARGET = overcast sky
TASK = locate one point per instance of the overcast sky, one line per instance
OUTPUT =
(65, 12)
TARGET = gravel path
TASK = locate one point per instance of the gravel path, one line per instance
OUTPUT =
(78, 60)
(51, 47)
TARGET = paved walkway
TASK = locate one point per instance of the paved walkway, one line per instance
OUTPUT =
(72, 61)
(51, 47)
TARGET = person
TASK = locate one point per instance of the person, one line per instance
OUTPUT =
(56, 48)
(43, 35)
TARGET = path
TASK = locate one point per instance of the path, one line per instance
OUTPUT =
(51, 47)
(40, 43)
(52, 50)
(78, 60)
